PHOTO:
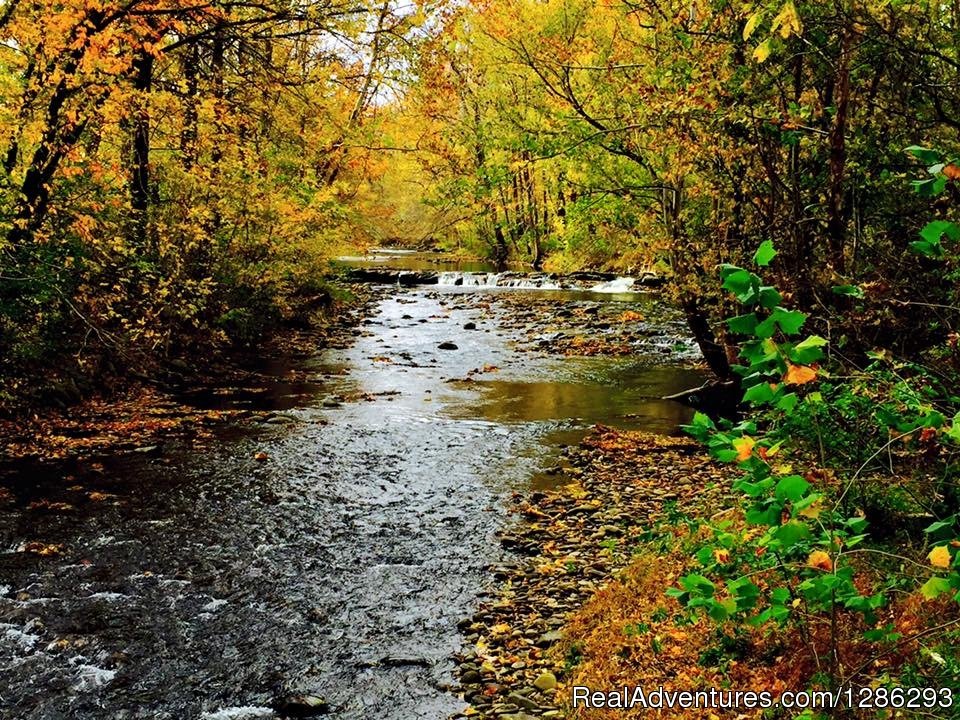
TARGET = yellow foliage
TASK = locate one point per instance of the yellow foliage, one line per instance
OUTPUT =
(940, 557)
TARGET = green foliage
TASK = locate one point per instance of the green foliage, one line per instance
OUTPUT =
(797, 554)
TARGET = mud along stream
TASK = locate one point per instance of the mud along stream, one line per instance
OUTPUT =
(208, 584)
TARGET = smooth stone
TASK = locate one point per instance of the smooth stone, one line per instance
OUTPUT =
(547, 681)
(303, 706)
(522, 701)
(448, 346)
(548, 638)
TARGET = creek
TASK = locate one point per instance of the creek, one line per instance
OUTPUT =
(209, 583)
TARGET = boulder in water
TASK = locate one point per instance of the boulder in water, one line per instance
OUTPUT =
(447, 345)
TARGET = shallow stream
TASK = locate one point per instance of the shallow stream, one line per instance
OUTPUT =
(206, 584)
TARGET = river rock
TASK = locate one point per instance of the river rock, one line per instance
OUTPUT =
(447, 345)
(302, 706)
(522, 701)
(546, 681)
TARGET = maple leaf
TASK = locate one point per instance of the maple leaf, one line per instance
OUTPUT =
(939, 557)
(799, 374)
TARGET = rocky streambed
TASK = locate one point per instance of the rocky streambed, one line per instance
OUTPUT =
(564, 544)
(316, 554)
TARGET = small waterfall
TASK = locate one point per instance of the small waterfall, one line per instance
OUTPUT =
(617, 285)
(498, 280)
(576, 282)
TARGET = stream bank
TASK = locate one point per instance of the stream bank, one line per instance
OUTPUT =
(567, 544)
(142, 413)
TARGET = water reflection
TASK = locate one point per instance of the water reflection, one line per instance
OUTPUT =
(625, 397)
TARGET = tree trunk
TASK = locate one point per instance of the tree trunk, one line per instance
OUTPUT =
(836, 218)
(139, 180)
(713, 352)
(189, 134)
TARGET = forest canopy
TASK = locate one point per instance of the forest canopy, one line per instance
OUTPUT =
(177, 174)
(178, 178)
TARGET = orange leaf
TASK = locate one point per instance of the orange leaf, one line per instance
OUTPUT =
(952, 171)
(940, 556)
(744, 447)
(820, 560)
(799, 374)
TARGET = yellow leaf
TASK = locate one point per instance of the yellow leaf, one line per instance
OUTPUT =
(788, 21)
(812, 511)
(799, 374)
(752, 24)
(940, 556)
(762, 51)
(744, 447)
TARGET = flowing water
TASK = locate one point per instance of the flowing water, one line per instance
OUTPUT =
(205, 584)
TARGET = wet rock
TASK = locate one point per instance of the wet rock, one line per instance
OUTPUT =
(522, 701)
(302, 706)
(447, 345)
(471, 677)
(404, 662)
(470, 326)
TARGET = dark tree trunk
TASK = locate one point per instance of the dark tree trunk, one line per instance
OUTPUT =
(189, 134)
(836, 218)
(714, 352)
(140, 147)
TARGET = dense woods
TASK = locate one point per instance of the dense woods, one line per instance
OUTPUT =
(177, 176)
(174, 173)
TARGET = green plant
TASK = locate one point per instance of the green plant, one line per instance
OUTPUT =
(796, 556)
